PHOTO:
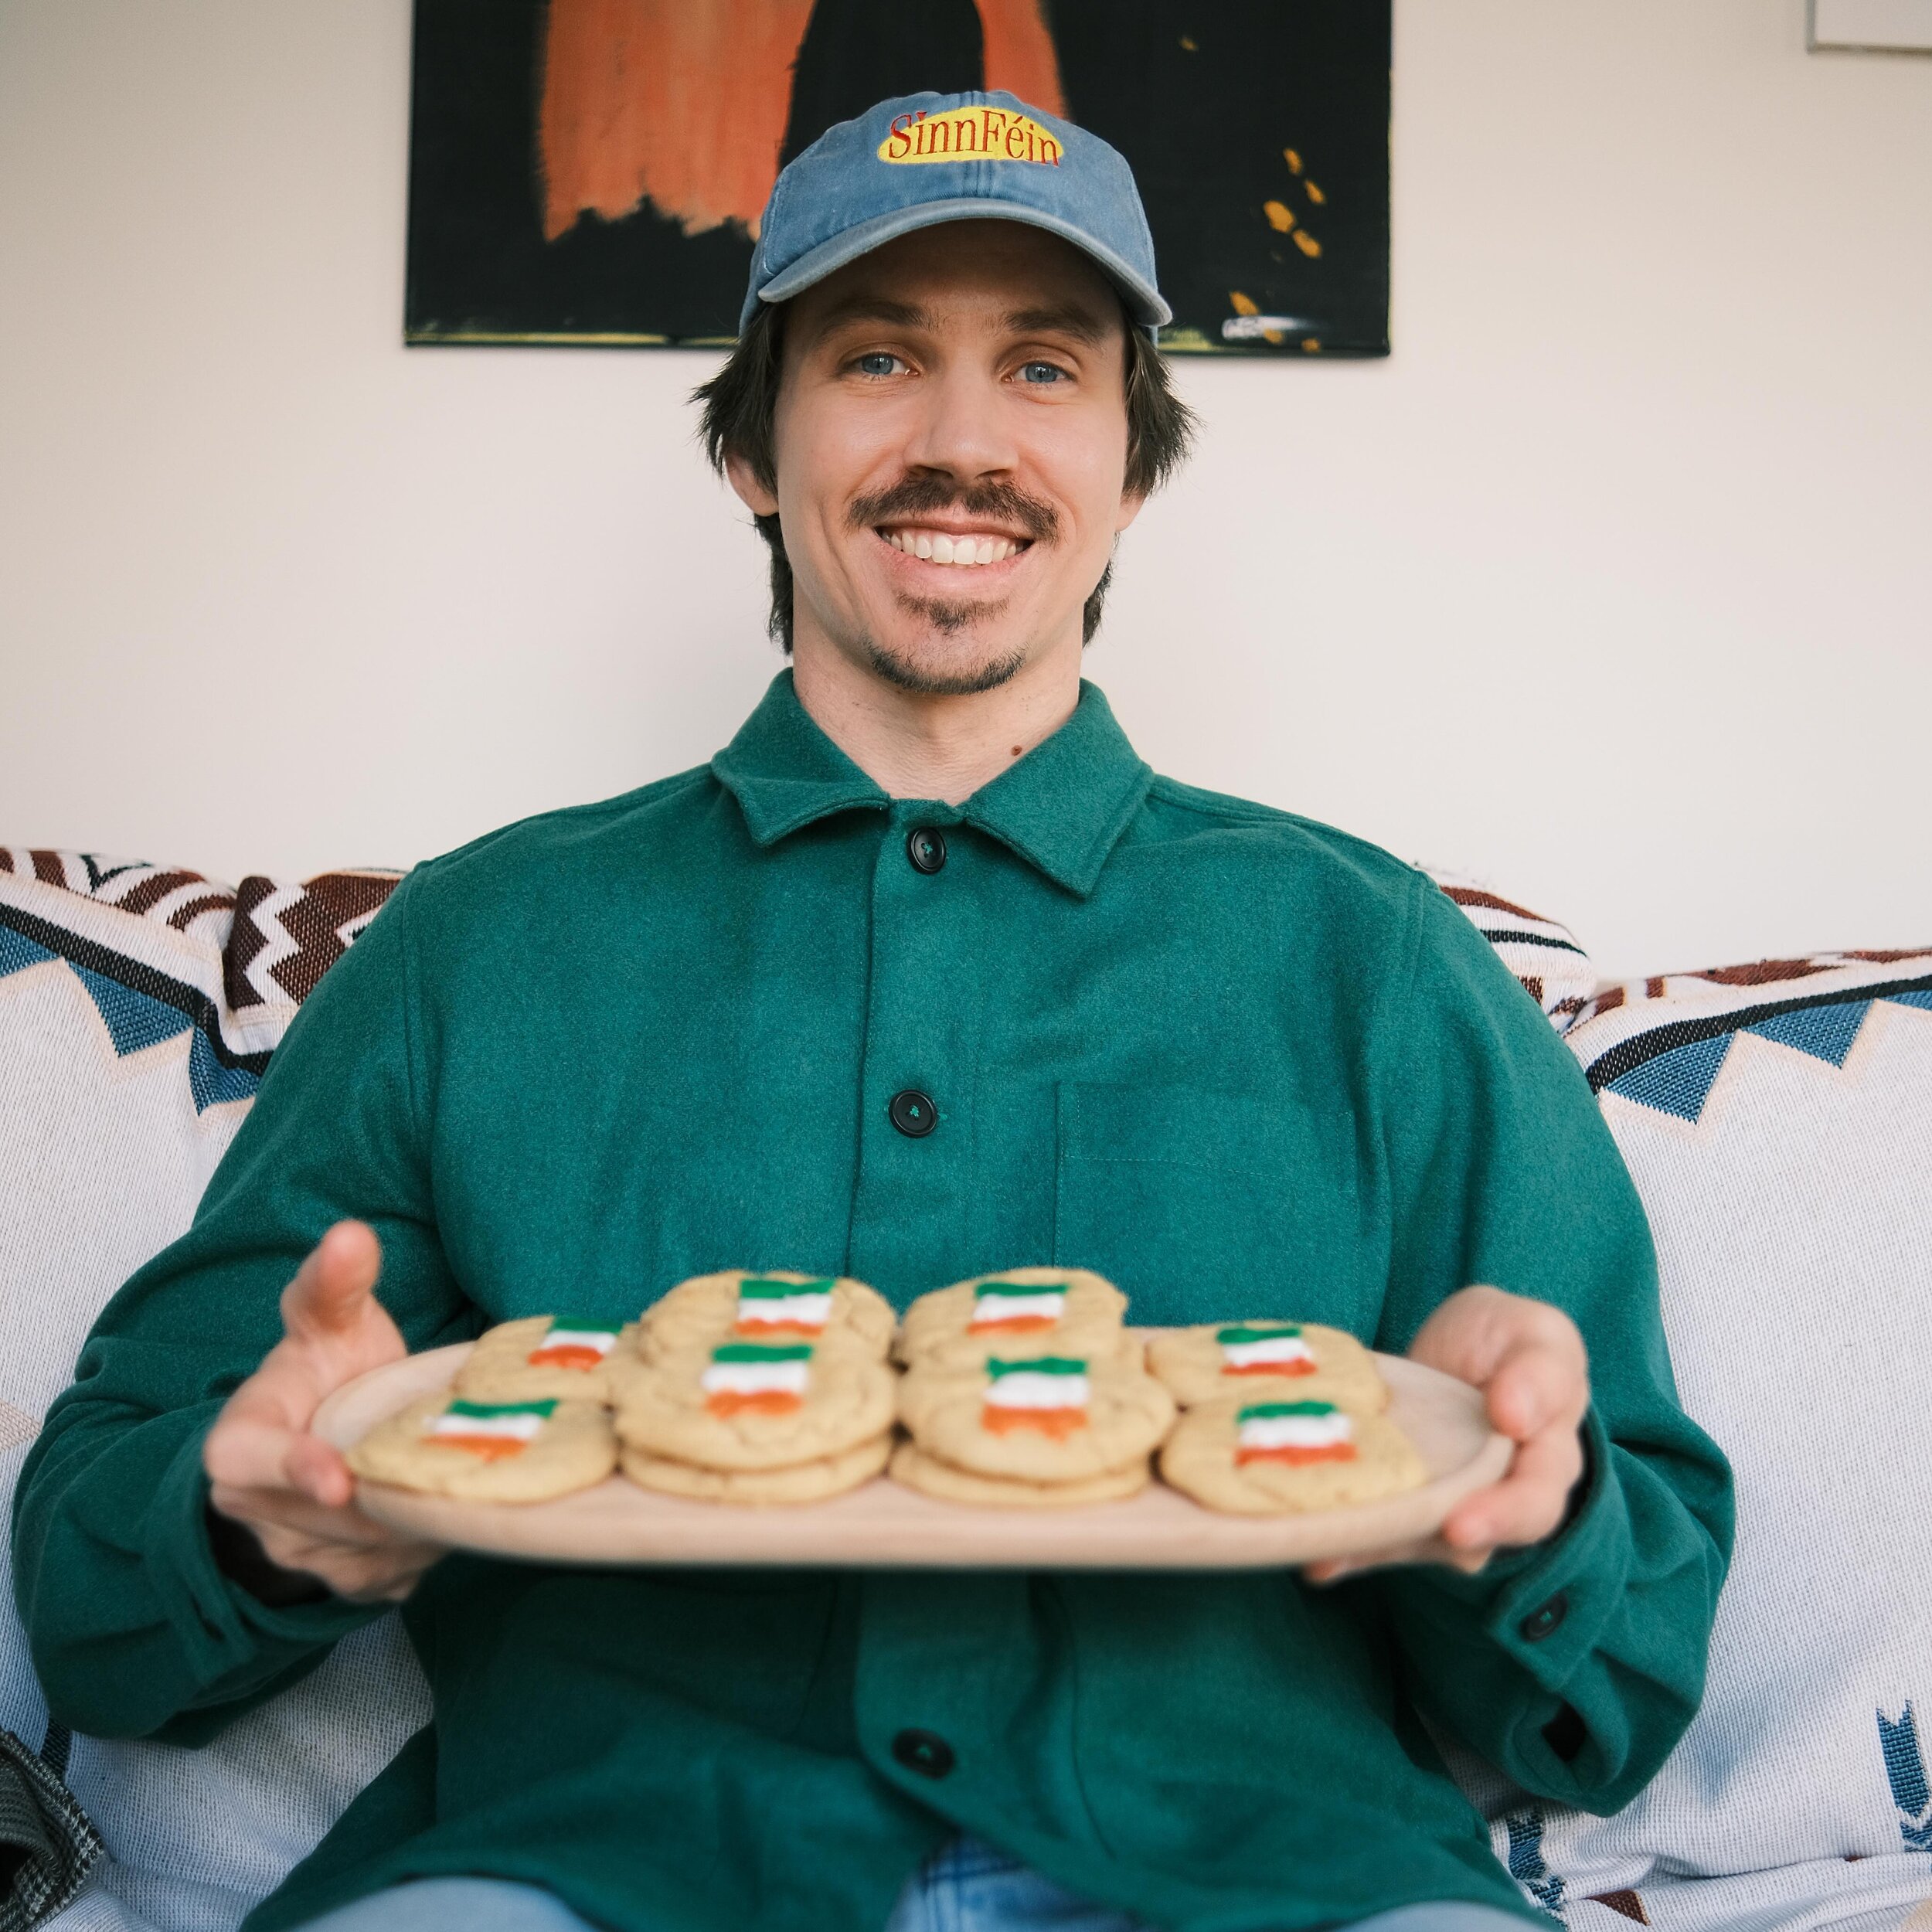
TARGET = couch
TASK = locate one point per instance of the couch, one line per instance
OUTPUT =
(1778, 1120)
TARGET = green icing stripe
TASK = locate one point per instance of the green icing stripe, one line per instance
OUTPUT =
(582, 1324)
(1044, 1364)
(1021, 1288)
(1259, 1411)
(780, 1290)
(1261, 1331)
(762, 1352)
(486, 1411)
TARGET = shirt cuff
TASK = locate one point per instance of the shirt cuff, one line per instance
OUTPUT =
(1550, 1602)
(234, 1639)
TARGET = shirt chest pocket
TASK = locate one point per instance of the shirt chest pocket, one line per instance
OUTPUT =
(1204, 1206)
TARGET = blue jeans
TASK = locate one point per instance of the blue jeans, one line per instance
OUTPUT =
(966, 1886)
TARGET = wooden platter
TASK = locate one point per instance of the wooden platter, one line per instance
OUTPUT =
(885, 1525)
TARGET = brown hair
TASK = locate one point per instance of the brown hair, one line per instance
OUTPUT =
(741, 404)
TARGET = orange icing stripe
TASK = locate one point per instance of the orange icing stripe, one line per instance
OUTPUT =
(1059, 1424)
(1269, 1368)
(490, 1448)
(779, 1328)
(1328, 1452)
(758, 1402)
(566, 1355)
(1011, 1324)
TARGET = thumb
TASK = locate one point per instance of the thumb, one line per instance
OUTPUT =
(330, 1294)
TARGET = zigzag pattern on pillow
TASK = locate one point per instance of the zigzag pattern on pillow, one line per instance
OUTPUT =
(227, 964)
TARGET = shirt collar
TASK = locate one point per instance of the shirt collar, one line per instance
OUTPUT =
(1061, 807)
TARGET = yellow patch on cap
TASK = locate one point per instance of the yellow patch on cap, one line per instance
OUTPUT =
(970, 134)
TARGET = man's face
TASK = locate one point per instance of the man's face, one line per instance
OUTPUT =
(959, 394)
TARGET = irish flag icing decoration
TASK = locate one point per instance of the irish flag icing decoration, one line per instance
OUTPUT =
(491, 1430)
(784, 1307)
(571, 1343)
(1265, 1349)
(1008, 1307)
(1048, 1393)
(1293, 1432)
(766, 1379)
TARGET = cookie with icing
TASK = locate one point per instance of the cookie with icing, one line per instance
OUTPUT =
(1063, 1311)
(1036, 1418)
(752, 1405)
(798, 1482)
(540, 1357)
(1218, 1360)
(916, 1470)
(740, 1304)
(530, 1451)
(1269, 1455)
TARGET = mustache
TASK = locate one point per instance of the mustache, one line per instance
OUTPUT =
(1002, 503)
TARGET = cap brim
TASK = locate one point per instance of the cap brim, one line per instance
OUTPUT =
(1142, 299)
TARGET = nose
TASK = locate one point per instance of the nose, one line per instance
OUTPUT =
(961, 428)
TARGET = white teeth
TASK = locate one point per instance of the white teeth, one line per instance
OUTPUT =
(940, 546)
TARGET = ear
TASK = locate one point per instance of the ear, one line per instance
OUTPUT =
(753, 494)
(1129, 508)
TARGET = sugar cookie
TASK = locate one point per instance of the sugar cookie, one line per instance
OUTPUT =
(489, 1452)
(542, 1355)
(916, 1470)
(1300, 1360)
(740, 1304)
(1267, 1456)
(1068, 1311)
(752, 1405)
(798, 1482)
(1036, 1418)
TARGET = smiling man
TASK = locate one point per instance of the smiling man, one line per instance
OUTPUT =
(924, 975)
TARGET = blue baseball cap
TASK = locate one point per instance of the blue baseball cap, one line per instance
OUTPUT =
(927, 158)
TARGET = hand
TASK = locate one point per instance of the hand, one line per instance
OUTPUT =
(1530, 1362)
(292, 1489)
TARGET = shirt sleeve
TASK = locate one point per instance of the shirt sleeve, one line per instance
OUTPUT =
(1574, 1666)
(135, 1630)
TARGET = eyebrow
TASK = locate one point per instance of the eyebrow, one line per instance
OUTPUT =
(874, 308)
(1060, 318)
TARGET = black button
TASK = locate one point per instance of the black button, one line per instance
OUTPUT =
(925, 1752)
(913, 1113)
(1543, 1620)
(926, 847)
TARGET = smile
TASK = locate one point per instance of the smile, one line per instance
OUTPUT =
(971, 547)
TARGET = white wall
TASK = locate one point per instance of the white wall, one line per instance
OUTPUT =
(1611, 584)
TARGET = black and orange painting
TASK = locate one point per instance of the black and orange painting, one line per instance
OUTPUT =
(592, 171)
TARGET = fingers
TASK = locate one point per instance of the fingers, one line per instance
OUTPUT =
(325, 1300)
(1528, 1503)
(1425, 1550)
(1541, 1380)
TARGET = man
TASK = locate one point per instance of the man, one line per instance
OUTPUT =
(925, 974)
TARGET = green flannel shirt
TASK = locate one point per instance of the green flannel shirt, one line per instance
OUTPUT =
(1239, 1063)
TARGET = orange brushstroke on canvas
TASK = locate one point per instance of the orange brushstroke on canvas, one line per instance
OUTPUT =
(685, 102)
(1019, 56)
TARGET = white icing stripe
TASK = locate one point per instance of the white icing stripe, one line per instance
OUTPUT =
(512, 1428)
(1024, 1389)
(988, 1309)
(797, 1311)
(1283, 1348)
(754, 1377)
(1295, 1432)
(601, 1339)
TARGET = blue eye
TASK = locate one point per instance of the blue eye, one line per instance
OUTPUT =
(879, 363)
(1042, 374)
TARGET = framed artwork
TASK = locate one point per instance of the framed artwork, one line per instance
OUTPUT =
(592, 171)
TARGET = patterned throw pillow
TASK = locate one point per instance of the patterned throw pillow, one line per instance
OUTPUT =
(139, 1007)
(1778, 1120)
(1555, 971)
